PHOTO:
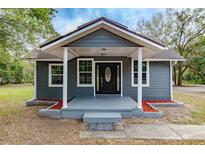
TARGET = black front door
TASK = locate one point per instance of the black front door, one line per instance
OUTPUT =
(108, 78)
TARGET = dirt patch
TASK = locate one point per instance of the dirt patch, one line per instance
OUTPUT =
(177, 115)
(29, 128)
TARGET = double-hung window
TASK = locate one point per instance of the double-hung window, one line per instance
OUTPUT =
(85, 72)
(55, 75)
(145, 73)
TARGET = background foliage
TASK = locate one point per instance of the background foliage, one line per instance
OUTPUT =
(183, 31)
(20, 31)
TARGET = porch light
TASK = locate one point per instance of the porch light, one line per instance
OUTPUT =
(103, 53)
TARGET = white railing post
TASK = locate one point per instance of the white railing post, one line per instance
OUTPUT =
(65, 76)
(139, 95)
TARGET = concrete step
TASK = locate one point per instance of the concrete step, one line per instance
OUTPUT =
(102, 117)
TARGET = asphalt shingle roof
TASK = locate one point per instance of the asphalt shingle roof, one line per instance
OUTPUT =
(167, 54)
(38, 54)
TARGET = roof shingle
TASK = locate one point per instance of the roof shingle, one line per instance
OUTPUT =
(167, 54)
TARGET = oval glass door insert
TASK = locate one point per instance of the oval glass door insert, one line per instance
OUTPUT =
(107, 74)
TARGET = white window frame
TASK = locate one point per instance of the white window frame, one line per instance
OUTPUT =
(49, 76)
(93, 75)
(132, 74)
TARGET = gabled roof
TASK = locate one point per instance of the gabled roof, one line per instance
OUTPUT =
(107, 21)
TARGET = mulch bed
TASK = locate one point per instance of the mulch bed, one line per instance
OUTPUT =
(146, 104)
(58, 106)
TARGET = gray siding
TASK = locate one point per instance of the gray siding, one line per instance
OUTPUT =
(102, 38)
(159, 80)
(45, 92)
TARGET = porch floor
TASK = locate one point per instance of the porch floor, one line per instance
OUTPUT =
(102, 103)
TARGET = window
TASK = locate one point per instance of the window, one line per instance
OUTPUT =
(85, 72)
(145, 73)
(55, 75)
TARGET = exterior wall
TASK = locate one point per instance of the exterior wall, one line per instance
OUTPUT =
(159, 80)
(43, 91)
(102, 38)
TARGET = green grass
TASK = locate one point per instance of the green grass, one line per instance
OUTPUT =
(198, 103)
(13, 97)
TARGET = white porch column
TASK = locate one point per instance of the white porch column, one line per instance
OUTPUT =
(139, 95)
(65, 76)
(35, 87)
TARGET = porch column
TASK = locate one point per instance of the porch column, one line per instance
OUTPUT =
(65, 76)
(35, 75)
(139, 95)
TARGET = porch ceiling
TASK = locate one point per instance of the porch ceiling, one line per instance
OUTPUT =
(103, 51)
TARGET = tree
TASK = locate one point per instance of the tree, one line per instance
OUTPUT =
(180, 29)
(4, 67)
(20, 31)
(197, 67)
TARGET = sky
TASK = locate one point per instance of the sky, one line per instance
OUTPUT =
(67, 20)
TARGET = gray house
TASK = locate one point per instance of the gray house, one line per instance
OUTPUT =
(102, 65)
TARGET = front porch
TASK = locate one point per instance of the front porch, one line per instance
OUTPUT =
(102, 102)
(124, 105)
(79, 106)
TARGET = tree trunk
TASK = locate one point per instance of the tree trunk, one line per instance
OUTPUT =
(174, 75)
(179, 83)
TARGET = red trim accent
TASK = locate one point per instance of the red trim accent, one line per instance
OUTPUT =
(148, 108)
(58, 106)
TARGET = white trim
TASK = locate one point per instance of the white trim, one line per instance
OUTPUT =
(135, 36)
(49, 75)
(147, 75)
(85, 85)
(143, 59)
(139, 90)
(93, 78)
(164, 59)
(121, 83)
(65, 76)
(35, 79)
(71, 35)
(97, 24)
(47, 59)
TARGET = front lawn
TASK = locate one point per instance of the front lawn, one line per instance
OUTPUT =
(22, 125)
(13, 97)
(196, 103)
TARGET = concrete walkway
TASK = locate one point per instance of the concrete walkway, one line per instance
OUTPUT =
(151, 131)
